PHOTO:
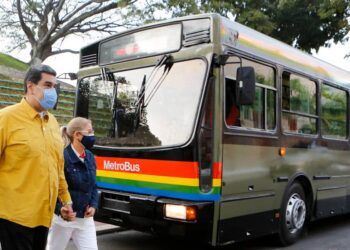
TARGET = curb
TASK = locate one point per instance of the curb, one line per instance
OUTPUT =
(107, 228)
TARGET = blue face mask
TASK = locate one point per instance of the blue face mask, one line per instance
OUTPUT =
(88, 141)
(49, 99)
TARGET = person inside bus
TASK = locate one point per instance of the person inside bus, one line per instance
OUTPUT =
(31, 164)
(80, 173)
(232, 115)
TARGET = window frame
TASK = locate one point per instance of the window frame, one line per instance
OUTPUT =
(85, 113)
(265, 88)
(282, 111)
(338, 87)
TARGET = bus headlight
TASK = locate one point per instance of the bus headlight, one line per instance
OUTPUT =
(180, 212)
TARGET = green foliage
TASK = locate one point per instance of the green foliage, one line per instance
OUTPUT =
(312, 24)
(12, 62)
(305, 24)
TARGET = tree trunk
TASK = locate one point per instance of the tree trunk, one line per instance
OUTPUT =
(35, 61)
(39, 54)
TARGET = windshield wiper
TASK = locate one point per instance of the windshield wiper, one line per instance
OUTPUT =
(140, 103)
(168, 65)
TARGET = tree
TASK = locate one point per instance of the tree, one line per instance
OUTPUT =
(45, 23)
(305, 24)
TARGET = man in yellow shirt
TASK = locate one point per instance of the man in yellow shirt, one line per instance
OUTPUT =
(31, 165)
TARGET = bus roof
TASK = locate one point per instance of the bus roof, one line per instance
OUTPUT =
(262, 46)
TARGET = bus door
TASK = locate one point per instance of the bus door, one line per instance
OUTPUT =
(249, 151)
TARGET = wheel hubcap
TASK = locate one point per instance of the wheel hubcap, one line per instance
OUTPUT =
(295, 213)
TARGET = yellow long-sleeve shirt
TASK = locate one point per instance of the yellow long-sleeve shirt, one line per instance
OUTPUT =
(31, 166)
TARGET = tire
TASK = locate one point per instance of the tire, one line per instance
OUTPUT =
(294, 213)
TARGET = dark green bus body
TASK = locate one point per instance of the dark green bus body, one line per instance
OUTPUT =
(174, 127)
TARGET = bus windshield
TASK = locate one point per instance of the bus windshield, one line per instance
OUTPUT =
(146, 107)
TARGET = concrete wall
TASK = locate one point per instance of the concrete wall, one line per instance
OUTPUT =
(14, 73)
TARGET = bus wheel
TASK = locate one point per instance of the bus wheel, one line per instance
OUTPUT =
(293, 216)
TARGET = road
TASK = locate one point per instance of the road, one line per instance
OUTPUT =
(329, 234)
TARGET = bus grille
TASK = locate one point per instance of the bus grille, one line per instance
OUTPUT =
(115, 202)
(88, 60)
(197, 37)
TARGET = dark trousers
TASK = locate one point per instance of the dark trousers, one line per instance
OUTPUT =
(17, 237)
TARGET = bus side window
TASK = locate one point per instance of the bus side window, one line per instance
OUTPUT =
(262, 113)
(232, 112)
(299, 105)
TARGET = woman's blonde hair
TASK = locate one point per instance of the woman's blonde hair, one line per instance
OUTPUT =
(76, 124)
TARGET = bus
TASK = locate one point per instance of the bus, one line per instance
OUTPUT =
(211, 130)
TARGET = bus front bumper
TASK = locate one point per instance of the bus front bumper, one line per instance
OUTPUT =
(159, 215)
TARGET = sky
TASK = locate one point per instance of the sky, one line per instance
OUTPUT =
(335, 55)
(67, 62)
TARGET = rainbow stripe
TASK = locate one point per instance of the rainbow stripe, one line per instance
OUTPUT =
(175, 179)
(264, 46)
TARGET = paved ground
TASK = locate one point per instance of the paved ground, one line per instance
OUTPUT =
(102, 228)
(328, 234)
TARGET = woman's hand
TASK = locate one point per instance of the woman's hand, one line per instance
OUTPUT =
(67, 213)
(89, 212)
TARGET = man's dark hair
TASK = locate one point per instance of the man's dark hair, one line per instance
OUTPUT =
(34, 74)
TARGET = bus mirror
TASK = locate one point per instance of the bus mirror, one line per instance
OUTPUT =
(245, 87)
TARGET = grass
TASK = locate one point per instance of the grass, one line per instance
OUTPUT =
(12, 62)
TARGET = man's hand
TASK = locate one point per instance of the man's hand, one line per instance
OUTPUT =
(90, 211)
(67, 213)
